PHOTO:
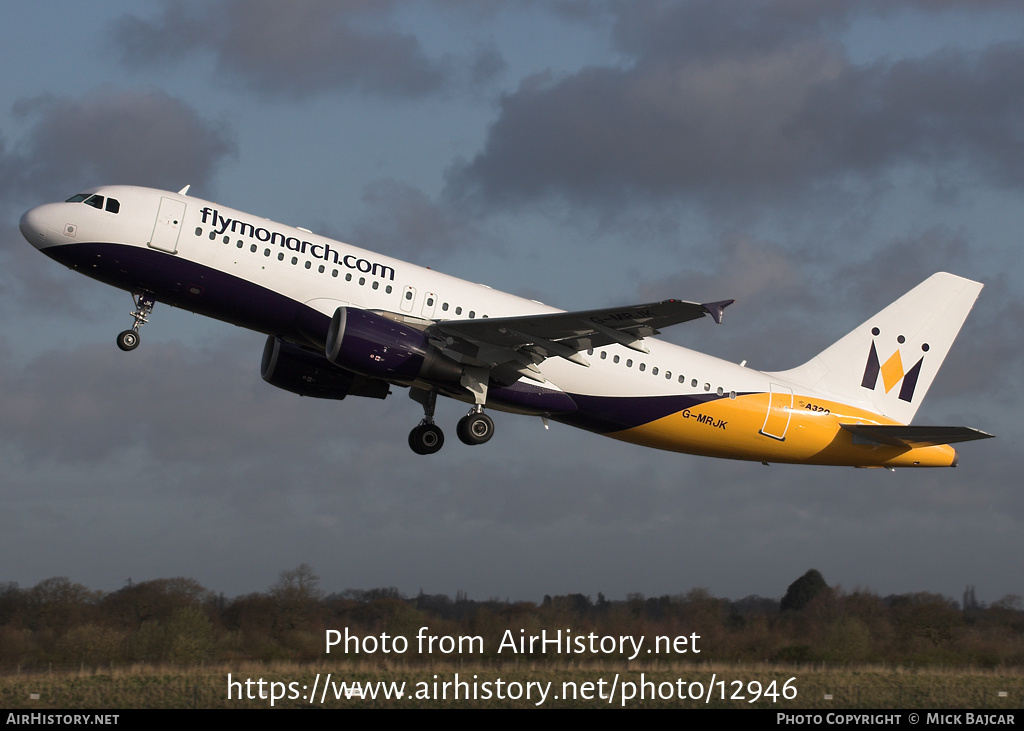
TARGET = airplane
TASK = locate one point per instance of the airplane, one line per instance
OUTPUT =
(342, 321)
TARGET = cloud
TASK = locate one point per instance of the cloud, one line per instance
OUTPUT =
(299, 48)
(402, 221)
(126, 137)
(106, 137)
(196, 405)
(794, 300)
(953, 106)
(985, 362)
(758, 105)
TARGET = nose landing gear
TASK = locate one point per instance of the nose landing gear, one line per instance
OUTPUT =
(129, 339)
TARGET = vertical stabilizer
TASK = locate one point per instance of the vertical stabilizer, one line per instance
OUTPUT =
(889, 362)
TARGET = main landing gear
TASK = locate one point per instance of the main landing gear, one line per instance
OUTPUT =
(129, 339)
(476, 427)
(426, 438)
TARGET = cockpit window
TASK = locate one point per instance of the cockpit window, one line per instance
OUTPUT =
(96, 201)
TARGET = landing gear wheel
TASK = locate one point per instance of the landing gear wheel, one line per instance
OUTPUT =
(426, 439)
(475, 428)
(128, 340)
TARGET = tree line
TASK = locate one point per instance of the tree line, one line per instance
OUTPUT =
(179, 621)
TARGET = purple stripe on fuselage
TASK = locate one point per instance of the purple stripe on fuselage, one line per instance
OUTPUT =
(604, 414)
(190, 286)
(530, 397)
(178, 282)
(601, 414)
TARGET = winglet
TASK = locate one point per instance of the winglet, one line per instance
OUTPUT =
(717, 309)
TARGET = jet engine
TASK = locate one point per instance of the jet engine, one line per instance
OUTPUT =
(375, 346)
(308, 373)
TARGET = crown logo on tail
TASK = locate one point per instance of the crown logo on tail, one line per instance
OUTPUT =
(892, 373)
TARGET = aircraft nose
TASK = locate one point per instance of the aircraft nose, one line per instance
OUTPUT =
(36, 227)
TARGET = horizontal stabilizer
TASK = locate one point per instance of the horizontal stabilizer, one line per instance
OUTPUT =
(913, 436)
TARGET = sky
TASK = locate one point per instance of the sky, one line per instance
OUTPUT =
(813, 160)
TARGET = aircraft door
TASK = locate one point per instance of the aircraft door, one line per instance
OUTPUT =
(168, 225)
(429, 303)
(408, 298)
(780, 411)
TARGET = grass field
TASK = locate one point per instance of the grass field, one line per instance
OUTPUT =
(505, 686)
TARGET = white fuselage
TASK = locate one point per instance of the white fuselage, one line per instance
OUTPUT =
(288, 282)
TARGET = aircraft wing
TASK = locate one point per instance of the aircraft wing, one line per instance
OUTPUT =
(914, 436)
(524, 341)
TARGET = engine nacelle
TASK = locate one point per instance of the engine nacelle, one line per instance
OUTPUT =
(307, 373)
(381, 348)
